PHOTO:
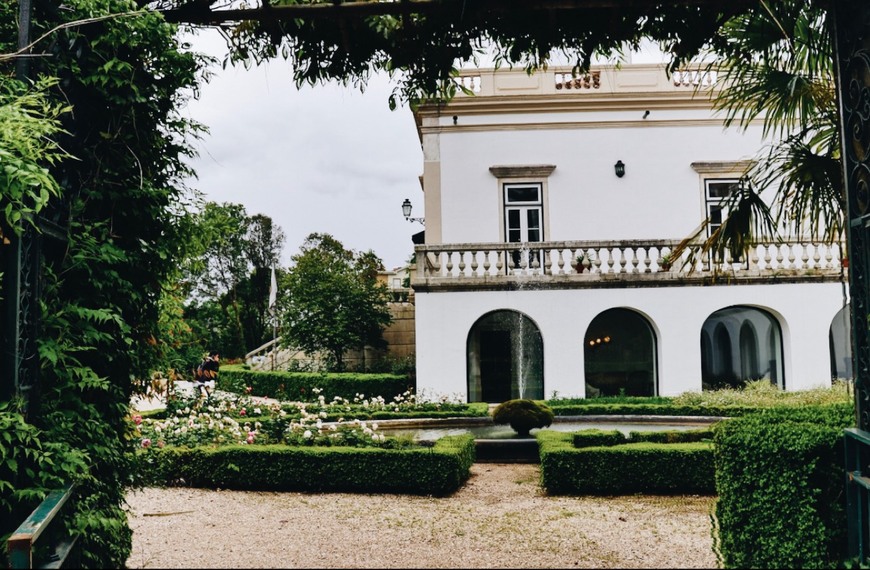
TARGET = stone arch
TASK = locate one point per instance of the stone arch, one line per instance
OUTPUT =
(504, 358)
(620, 355)
(737, 353)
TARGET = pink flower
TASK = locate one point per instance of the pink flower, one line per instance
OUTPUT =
(250, 438)
(242, 412)
(146, 443)
(137, 419)
(161, 443)
(248, 389)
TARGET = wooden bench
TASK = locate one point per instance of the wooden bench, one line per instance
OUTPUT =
(60, 550)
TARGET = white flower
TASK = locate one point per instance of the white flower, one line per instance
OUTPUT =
(375, 426)
(307, 434)
(257, 411)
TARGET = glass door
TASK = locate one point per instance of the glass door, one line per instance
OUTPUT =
(524, 225)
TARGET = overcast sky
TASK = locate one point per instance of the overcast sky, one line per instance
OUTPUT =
(325, 159)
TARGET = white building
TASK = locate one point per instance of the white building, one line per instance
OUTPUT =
(619, 165)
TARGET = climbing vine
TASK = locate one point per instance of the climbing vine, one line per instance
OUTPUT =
(116, 197)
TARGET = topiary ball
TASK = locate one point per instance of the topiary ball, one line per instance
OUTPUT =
(523, 415)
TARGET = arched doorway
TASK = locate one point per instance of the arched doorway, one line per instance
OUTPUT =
(505, 358)
(840, 344)
(620, 349)
(736, 355)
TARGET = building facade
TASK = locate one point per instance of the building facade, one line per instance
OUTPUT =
(553, 204)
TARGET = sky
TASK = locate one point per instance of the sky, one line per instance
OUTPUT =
(325, 159)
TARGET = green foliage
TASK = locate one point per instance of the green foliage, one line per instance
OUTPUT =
(678, 468)
(672, 436)
(726, 402)
(302, 386)
(780, 480)
(227, 276)
(776, 65)
(437, 470)
(28, 121)
(122, 78)
(331, 300)
(597, 438)
(761, 393)
(421, 48)
(523, 415)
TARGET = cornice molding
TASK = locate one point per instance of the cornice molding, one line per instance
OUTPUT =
(722, 167)
(537, 126)
(523, 170)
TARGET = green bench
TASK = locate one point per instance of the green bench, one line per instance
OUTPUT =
(60, 548)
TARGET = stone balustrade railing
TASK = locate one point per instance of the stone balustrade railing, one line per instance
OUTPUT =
(607, 79)
(602, 259)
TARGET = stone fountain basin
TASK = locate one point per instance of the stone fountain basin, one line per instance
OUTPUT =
(499, 443)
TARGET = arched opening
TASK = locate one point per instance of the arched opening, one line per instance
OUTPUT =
(748, 351)
(840, 344)
(620, 349)
(736, 355)
(505, 358)
(722, 355)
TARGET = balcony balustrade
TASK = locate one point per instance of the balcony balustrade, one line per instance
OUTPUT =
(647, 261)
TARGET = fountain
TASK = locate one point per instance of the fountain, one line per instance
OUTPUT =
(499, 443)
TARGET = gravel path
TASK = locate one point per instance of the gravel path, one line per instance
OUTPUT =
(499, 519)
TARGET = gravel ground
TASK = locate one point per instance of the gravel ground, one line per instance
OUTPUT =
(499, 519)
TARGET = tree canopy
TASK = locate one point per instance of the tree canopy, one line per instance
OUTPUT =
(331, 301)
(420, 42)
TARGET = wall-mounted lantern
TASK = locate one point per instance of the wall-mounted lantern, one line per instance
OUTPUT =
(619, 168)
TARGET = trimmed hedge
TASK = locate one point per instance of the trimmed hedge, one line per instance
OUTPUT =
(624, 469)
(780, 477)
(297, 386)
(642, 409)
(597, 438)
(672, 436)
(607, 438)
(437, 470)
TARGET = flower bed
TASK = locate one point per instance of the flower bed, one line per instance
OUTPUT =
(237, 443)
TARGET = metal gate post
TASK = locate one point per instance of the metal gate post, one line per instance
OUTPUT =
(851, 19)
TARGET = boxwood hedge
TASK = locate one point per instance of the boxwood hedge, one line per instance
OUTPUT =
(657, 468)
(298, 386)
(436, 470)
(780, 478)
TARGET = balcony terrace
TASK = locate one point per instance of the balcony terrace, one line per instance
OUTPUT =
(600, 79)
(615, 264)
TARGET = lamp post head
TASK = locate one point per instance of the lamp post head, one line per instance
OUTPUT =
(406, 211)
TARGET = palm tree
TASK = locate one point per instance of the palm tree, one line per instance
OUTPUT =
(776, 66)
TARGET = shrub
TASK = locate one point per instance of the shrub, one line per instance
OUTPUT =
(624, 469)
(436, 470)
(597, 438)
(672, 436)
(299, 386)
(780, 480)
(523, 415)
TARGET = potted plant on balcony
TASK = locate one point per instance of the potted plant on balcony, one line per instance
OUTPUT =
(581, 262)
(666, 262)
